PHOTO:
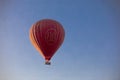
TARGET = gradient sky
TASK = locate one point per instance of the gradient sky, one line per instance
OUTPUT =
(90, 50)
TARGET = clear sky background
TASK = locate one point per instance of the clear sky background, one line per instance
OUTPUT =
(91, 49)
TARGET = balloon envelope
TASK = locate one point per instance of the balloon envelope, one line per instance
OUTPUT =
(47, 36)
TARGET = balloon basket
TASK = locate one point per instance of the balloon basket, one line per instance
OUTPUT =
(47, 63)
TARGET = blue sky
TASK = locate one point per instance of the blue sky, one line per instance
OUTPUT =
(90, 50)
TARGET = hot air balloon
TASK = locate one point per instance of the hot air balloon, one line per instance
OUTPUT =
(47, 36)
